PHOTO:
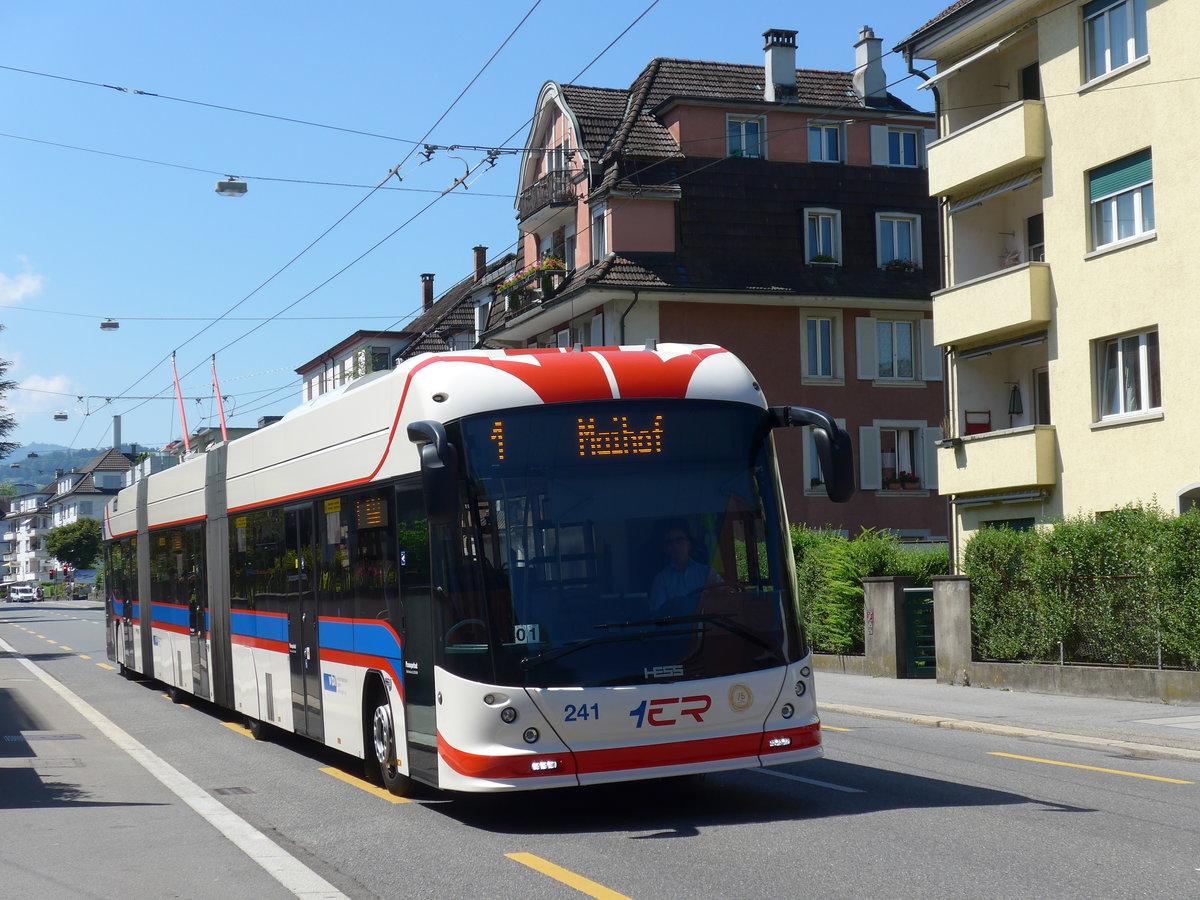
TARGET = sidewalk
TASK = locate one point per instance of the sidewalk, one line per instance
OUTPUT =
(1151, 729)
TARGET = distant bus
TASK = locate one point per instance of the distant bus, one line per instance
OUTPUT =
(490, 571)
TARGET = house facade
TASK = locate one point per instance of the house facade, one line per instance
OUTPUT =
(782, 213)
(26, 522)
(1063, 166)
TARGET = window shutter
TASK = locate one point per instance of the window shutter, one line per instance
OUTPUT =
(1120, 175)
(930, 137)
(931, 355)
(932, 436)
(598, 331)
(879, 145)
(865, 338)
(870, 474)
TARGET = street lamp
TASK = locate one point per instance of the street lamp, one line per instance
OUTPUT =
(231, 187)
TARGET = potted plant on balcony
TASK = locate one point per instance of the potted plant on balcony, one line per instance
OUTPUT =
(823, 259)
(909, 481)
(891, 483)
(900, 265)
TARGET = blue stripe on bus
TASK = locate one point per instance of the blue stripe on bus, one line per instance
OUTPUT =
(368, 638)
(169, 615)
(267, 628)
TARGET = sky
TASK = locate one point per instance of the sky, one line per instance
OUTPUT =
(110, 210)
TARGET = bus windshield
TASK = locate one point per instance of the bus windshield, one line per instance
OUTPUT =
(624, 542)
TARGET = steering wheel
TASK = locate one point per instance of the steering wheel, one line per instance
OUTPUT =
(463, 624)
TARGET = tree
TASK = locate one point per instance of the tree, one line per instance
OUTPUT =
(7, 422)
(77, 544)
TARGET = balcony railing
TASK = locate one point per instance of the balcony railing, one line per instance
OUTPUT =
(531, 290)
(1007, 303)
(554, 189)
(998, 461)
(991, 149)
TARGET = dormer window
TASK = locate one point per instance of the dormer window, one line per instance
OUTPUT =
(745, 135)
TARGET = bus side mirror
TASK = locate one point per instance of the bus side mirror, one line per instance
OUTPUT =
(834, 451)
(439, 470)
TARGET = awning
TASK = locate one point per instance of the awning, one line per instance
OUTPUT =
(978, 54)
(1016, 182)
(1031, 340)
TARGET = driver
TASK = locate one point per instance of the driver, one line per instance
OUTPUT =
(676, 589)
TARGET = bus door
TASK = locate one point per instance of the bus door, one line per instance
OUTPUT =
(197, 603)
(412, 531)
(303, 645)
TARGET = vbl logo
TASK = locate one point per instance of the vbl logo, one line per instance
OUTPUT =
(670, 710)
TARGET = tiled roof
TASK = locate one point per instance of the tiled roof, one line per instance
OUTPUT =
(110, 461)
(598, 111)
(451, 314)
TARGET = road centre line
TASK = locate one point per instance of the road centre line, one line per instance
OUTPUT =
(107, 666)
(366, 786)
(813, 781)
(240, 729)
(566, 876)
(1051, 762)
(277, 862)
(825, 727)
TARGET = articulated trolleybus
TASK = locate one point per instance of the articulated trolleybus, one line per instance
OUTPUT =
(490, 571)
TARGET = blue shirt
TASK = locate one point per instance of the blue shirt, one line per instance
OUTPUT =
(673, 583)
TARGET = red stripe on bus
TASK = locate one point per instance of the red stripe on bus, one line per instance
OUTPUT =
(174, 629)
(364, 661)
(177, 522)
(247, 640)
(618, 759)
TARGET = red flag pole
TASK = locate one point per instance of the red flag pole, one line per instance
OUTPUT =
(187, 444)
(220, 402)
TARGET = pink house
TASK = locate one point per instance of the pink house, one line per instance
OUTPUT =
(780, 212)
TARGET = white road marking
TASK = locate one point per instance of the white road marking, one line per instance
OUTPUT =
(812, 781)
(278, 863)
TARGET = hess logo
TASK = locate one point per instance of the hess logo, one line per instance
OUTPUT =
(670, 710)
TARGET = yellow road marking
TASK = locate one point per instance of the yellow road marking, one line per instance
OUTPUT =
(366, 786)
(106, 666)
(1051, 762)
(233, 726)
(831, 728)
(567, 877)
(48, 641)
(84, 656)
(65, 647)
(42, 636)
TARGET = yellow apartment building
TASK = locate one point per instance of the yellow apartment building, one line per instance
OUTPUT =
(1065, 161)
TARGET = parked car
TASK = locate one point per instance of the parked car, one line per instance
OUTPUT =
(22, 593)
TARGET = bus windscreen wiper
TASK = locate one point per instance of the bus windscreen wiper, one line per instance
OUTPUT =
(718, 620)
(558, 652)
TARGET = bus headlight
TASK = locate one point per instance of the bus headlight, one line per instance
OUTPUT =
(787, 711)
(508, 715)
(801, 688)
(531, 735)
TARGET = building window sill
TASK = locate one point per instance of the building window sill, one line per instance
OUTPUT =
(897, 383)
(823, 381)
(904, 492)
(1114, 73)
(1134, 418)
(1121, 245)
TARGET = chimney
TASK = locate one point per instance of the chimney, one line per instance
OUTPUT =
(427, 290)
(870, 82)
(117, 433)
(779, 83)
(480, 263)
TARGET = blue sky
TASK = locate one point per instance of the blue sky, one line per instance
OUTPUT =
(86, 236)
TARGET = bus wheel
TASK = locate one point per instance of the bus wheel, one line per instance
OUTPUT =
(176, 694)
(259, 730)
(383, 739)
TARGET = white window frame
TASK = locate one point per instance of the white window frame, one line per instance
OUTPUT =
(599, 232)
(835, 250)
(1109, 56)
(927, 360)
(821, 130)
(738, 148)
(887, 220)
(1137, 360)
(833, 355)
(1141, 199)
(897, 155)
(923, 461)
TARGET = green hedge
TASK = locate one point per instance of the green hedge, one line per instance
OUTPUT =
(829, 573)
(1109, 589)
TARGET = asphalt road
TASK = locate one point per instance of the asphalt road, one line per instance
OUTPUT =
(895, 810)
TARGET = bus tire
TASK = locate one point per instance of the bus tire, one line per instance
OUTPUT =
(177, 695)
(259, 730)
(383, 743)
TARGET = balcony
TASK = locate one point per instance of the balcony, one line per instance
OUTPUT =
(1004, 304)
(530, 289)
(995, 147)
(551, 198)
(1004, 460)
